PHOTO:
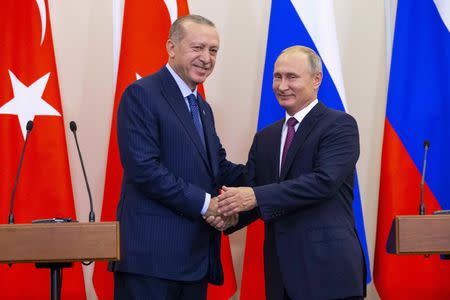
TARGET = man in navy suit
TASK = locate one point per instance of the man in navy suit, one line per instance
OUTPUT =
(174, 165)
(302, 170)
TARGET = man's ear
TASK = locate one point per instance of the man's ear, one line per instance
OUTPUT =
(170, 46)
(317, 80)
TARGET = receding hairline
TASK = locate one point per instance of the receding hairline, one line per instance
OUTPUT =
(314, 61)
(177, 30)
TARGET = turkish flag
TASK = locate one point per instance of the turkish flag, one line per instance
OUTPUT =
(29, 91)
(145, 31)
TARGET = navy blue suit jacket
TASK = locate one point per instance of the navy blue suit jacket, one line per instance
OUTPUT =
(166, 174)
(310, 236)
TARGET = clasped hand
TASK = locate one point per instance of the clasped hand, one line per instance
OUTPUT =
(235, 200)
(217, 220)
(229, 204)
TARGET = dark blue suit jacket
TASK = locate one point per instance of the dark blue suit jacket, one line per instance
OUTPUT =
(166, 174)
(310, 237)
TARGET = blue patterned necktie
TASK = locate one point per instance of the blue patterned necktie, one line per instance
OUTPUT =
(195, 113)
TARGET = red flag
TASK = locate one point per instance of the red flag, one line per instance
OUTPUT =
(145, 30)
(29, 91)
(252, 287)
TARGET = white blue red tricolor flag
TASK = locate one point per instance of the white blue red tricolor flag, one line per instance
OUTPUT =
(309, 23)
(418, 109)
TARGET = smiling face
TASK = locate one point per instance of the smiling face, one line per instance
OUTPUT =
(193, 55)
(293, 83)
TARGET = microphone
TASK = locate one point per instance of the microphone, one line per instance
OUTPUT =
(426, 145)
(73, 128)
(11, 205)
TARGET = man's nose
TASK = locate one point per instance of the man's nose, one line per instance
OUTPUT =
(205, 56)
(283, 86)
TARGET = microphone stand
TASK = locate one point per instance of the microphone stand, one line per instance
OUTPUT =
(29, 127)
(426, 145)
(73, 128)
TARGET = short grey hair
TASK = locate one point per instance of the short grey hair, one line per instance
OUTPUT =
(315, 63)
(176, 32)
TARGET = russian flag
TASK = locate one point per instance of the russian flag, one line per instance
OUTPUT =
(418, 109)
(297, 22)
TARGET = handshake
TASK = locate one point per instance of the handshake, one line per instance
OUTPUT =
(223, 211)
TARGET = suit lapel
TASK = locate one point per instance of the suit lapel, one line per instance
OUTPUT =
(302, 133)
(275, 143)
(172, 94)
(208, 128)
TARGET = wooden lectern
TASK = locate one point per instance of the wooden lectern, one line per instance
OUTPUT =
(56, 245)
(426, 234)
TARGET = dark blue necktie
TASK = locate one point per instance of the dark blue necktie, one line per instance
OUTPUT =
(195, 113)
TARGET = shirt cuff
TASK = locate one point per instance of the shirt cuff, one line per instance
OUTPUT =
(206, 204)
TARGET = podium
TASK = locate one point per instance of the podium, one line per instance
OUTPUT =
(57, 245)
(425, 234)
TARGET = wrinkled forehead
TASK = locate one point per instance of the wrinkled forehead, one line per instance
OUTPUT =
(192, 30)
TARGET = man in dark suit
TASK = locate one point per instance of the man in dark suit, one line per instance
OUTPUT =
(174, 165)
(302, 170)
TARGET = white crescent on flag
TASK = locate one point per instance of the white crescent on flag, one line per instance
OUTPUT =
(27, 102)
(173, 9)
(43, 14)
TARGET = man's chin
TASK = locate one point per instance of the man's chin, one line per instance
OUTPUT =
(285, 98)
(200, 79)
(286, 102)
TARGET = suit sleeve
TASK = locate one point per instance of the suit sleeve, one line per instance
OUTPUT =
(336, 159)
(245, 219)
(138, 138)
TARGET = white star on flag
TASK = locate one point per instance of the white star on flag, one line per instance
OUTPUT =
(138, 76)
(27, 102)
